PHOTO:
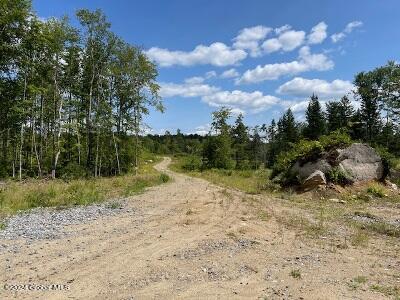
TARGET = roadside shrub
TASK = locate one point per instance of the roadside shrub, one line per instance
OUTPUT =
(192, 163)
(306, 150)
(164, 178)
(73, 171)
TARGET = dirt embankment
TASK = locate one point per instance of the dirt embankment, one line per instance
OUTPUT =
(190, 239)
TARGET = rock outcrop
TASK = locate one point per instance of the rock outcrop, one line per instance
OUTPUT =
(357, 162)
(360, 162)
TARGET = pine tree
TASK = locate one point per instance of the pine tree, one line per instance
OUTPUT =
(370, 113)
(339, 114)
(240, 139)
(315, 119)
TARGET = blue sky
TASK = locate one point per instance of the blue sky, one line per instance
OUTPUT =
(257, 57)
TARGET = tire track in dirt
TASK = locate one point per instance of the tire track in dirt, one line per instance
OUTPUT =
(185, 239)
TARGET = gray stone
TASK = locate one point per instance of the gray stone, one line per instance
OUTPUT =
(360, 162)
(313, 181)
(303, 171)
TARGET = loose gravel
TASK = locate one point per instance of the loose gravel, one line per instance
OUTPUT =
(50, 223)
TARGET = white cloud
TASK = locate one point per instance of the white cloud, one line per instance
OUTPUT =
(297, 107)
(202, 129)
(348, 29)
(211, 74)
(306, 62)
(231, 73)
(301, 87)
(187, 89)
(352, 25)
(238, 101)
(217, 54)
(249, 38)
(194, 80)
(241, 101)
(318, 33)
(282, 29)
(286, 41)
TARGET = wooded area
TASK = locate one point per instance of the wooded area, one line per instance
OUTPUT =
(72, 99)
(227, 146)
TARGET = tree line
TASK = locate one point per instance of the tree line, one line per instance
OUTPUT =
(72, 99)
(375, 121)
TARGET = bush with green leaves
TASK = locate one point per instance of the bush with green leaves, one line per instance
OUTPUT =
(388, 160)
(164, 178)
(73, 171)
(338, 176)
(306, 150)
(192, 163)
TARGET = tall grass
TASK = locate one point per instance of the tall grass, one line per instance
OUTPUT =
(249, 181)
(16, 196)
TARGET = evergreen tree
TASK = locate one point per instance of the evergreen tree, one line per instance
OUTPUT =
(339, 114)
(256, 148)
(217, 150)
(240, 139)
(370, 114)
(333, 116)
(315, 119)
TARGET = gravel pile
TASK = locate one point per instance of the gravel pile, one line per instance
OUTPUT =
(49, 223)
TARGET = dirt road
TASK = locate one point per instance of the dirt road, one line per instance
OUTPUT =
(188, 239)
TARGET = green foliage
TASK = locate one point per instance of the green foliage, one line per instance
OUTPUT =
(73, 171)
(338, 176)
(164, 178)
(335, 139)
(16, 196)
(376, 190)
(306, 150)
(295, 274)
(250, 181)
(388, 159)
(192, 163)
(315, 119)
(78, 118)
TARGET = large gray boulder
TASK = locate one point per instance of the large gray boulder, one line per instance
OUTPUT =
(357, 162)
(360, 162)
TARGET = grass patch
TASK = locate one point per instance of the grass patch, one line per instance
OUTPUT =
(375, 224)
(249, 181)
(2, 226)
(392, 291)
(16, 196)
(384, 228)
(295, 274)
(356, 282)
(376, 190)
(359, 238)
(311, 229)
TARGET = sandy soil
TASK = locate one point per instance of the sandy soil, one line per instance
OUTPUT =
(189, 239)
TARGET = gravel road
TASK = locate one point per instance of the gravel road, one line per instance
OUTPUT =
(187, 239)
